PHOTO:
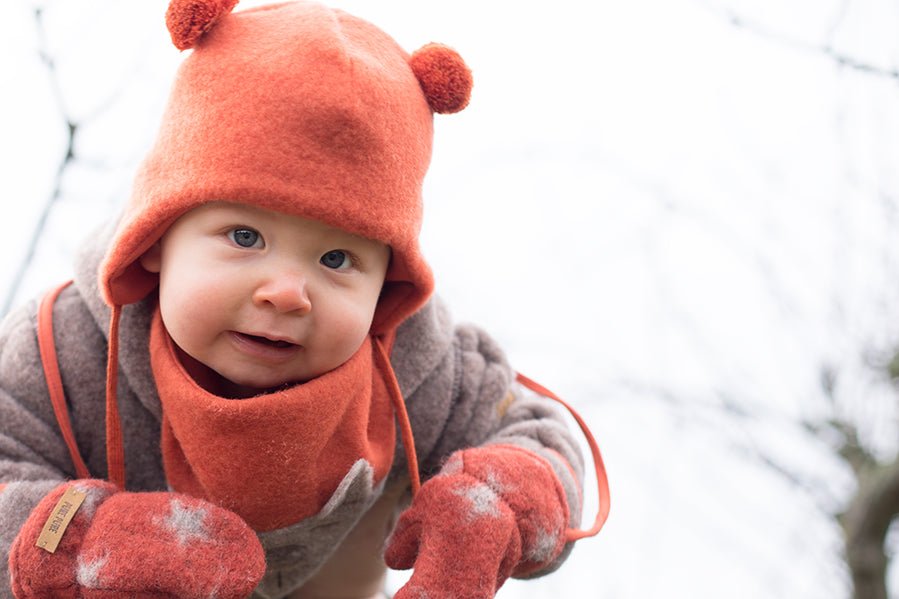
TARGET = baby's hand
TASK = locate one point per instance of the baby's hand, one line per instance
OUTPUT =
(491, 513)
(123, 544)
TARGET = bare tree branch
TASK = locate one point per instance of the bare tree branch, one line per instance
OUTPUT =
(706, 416)
(837, 20)
(68, 157)
(841, 59)
(865, 524)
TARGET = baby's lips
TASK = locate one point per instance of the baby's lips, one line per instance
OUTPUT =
(276, 340)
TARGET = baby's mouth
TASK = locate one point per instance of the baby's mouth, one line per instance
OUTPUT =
(269, 342)
(265, 348)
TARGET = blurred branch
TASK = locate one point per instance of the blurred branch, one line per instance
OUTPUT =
(872, 508)
(69, 156)
(865, 525)
(838, 20)
(874, 503)
(847, 61)
(706, 415)
(841, 59)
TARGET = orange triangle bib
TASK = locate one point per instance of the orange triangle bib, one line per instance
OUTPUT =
(277, 458)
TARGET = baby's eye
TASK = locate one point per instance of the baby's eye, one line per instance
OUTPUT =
(336, 259)
(246, 238)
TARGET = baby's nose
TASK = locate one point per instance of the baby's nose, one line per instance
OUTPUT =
(286, 292)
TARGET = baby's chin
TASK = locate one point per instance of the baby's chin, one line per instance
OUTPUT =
(219, 384)
(234, 382)
(246, 389)
(237, 386)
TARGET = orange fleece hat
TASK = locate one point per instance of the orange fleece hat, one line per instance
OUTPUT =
(297, 108)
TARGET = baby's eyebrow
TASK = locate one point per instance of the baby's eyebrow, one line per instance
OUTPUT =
(233, 208)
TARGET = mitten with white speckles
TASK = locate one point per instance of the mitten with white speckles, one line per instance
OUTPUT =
(123, 544)
(491, 513)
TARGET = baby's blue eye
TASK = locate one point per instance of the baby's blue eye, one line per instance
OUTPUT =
(336, 259)
(246, 238)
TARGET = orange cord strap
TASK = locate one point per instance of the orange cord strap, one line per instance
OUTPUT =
(602, 482)
(399, 406)
(47, 348)
(115, 451)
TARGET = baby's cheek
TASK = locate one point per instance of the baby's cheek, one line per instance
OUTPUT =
(187, 316)
(348, 324)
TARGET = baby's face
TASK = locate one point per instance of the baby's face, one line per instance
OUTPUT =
(262, 298)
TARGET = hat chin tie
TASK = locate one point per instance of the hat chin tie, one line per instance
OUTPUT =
(115, 450)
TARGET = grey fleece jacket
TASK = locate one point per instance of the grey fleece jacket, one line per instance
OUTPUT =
(455, 381)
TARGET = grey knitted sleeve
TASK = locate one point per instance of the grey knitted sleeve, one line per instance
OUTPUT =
(33, 457)
(461, 393)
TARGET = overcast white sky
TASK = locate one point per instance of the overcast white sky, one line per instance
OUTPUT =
(657, 209)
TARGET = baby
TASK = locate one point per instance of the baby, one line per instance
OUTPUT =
(236, 289)
(277, 376)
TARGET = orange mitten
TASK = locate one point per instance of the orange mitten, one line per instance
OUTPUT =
(491, 513)
(123, 544)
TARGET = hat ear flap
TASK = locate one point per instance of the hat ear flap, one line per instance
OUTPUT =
(444, 77)
(189, 20)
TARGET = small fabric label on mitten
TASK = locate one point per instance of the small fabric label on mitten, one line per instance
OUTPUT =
(59, 519)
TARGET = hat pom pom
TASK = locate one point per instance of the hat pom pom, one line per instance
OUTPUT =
(189, 20)
(444, 77)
